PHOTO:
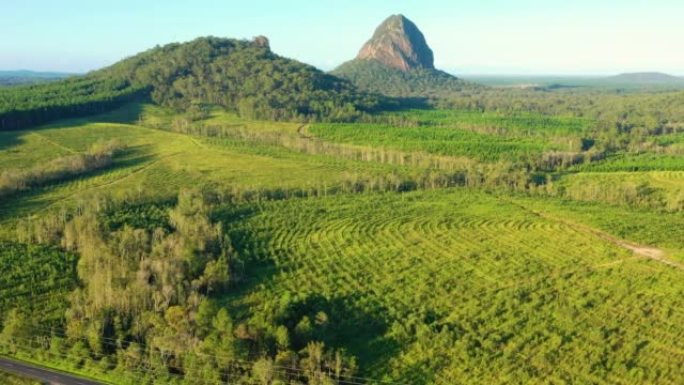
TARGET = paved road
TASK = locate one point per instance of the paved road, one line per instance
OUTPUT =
(45, 375)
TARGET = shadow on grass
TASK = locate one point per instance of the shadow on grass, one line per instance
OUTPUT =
(354, 323)
(407, 103)
(351, 322)
(9, 139)
(254, 268)
(128, 113)
(29, 201)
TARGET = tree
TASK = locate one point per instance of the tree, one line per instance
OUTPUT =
(17, 330)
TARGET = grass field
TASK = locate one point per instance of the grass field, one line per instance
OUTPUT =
(161, 162)
(443, 286)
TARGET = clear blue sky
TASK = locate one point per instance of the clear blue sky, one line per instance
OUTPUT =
(468, 36)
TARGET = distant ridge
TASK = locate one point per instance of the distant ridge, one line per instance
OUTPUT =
(645, 78)
(397, 61)
(16, 77)
(34, 74)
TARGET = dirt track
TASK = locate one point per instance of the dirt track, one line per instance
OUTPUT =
(640, 250)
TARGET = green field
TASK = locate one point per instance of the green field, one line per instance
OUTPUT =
(160, 163)
(482, 136)
(337, 236)
(467, 287)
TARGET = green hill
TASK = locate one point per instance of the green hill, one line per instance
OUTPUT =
(373, 76)
(242, 76)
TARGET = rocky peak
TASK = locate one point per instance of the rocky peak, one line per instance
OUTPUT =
(262, 41)
(398, 43)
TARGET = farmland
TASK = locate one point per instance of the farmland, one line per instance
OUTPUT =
(468, 278)
(482, 136)
(406, 249)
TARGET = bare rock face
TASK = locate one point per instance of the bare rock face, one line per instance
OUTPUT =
(398, 43)
(262, 41)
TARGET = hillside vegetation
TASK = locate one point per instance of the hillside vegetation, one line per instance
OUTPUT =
(241, 76)
(371, 76)
(220, 249)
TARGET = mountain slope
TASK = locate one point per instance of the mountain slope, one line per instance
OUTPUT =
(397, 61)
(374, 76)
(242, 76)
(398, 43)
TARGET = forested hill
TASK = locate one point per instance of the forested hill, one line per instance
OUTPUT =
(397, 61)
(373, 76)
(244, 76)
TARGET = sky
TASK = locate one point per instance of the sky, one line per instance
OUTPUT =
(545, 37)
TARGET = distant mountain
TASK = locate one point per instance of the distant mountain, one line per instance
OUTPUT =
(645, 78)
(397, 61)
(398, 43)
(34, 74)
(9, 78)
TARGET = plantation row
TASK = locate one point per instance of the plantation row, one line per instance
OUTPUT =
(36, 279)
(518, 123)
(23, 107)
(483, 284)
(478, 276)
(148, 300)
(329, 253)
(440, 141)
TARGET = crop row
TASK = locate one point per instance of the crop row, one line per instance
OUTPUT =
(485, 276)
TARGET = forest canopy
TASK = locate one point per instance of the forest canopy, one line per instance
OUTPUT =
(241, 76)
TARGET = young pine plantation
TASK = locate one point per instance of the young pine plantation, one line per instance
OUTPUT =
(493, 237)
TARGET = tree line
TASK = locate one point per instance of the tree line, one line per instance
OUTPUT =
(99, 156)
(28, 106)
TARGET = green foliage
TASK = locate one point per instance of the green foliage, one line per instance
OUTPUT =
(27, 106)
(634, 115)
(643, 225)
(242, 76)
(501, 123)
(245, 77)
(149, 294)
(35, 280)
(484, 283)
(372, 76)
(311, 254)
(481, 136)
(99, 156)
(10, 379)
(146, 215)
